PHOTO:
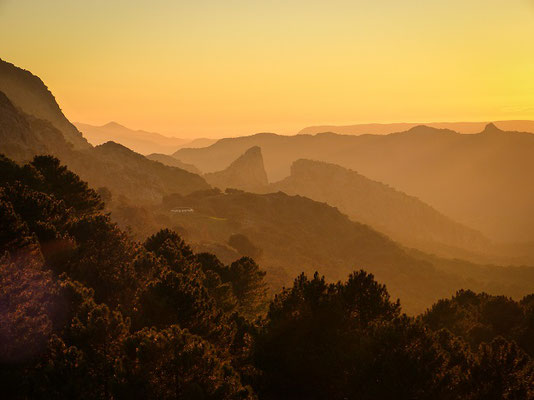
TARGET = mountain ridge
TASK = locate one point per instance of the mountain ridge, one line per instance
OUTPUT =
(454, 173)
(385, 128)
(29, 93)
(247, 172)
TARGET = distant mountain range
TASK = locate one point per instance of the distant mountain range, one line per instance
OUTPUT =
(294, 233)
(109, 165)
(140, 141)
(384, 129)
(481, 180)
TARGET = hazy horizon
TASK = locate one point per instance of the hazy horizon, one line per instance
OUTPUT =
(474, 128)
(241, 200)
(212, 69)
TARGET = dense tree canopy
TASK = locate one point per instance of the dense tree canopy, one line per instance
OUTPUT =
(87, 312)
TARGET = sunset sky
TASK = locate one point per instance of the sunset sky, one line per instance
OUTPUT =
(233, 67)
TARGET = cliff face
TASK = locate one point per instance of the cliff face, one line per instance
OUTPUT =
(247, 173)
(28, 93)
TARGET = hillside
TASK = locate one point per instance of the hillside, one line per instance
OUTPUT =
(134, 176)
(480, 180)
(247, 172)
(289, 234)
(140, 141)
(173, 162)
(83, 304)
(27, 92)
(384, 129)
(404, 218)
(124, 172)
(296, 234)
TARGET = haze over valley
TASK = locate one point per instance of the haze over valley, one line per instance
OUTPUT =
(209, 201)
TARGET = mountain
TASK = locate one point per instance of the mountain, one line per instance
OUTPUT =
(16, 134)
(289, 234)
(384, 129)
(295, 234)
(404, 218)
(128, 175)
(247, 172)
(173, 162)
(110, 165)
(482, 180)
(198, 143)
(133, 175)
(142, 142)
(28, 93)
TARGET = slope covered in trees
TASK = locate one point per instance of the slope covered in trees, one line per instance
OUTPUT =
(297, 234)
(88, 313)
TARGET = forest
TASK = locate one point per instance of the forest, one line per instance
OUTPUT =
(89, 312)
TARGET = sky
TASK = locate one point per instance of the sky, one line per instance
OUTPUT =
(218, 68)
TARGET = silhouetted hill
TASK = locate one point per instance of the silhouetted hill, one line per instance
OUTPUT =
(133, 175)
(199, 142)
(404, 218)
(295, 233)
(138, 140)
(291, 233)
(173, 162)
(23, 137)
(111, 165)
(27, 92)
(481, 180)
(384, 129)
(247, 172)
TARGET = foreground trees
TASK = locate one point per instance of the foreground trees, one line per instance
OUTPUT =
(85, 312)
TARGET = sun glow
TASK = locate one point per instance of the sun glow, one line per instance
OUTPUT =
(219, 68)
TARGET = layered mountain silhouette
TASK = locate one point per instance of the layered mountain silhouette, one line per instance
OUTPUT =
(27, 92)
(383, 129)
(481, 180)
(247, 172)
(198, 143)
(292, 233)
(136, 177)
(110, 165)
(173, 162)
(140, 141)
(295, 233)
(404, 218)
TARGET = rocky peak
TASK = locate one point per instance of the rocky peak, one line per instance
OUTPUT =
(246, 172)
(492, 128)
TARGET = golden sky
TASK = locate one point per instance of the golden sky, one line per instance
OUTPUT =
(234, 67)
